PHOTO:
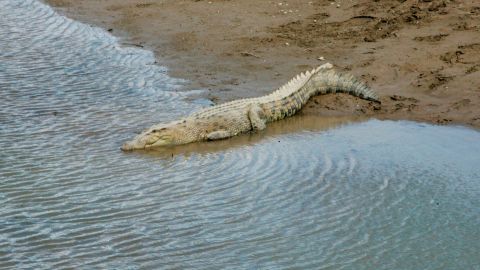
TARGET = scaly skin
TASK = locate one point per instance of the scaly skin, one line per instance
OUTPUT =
(240, 116)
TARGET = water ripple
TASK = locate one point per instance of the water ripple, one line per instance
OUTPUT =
(300, 195)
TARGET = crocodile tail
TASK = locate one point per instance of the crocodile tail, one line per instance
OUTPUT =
(337, 82)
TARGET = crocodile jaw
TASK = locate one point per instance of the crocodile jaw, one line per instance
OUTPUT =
(135, 144)
(130, 146)
(145, 140)
(162, 135)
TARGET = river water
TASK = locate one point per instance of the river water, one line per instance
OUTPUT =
(305, 194)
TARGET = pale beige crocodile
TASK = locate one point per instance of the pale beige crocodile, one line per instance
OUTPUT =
(244, 115)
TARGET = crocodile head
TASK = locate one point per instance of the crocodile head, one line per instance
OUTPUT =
(162, 135)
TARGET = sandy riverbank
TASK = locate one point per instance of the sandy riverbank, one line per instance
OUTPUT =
(422, 57)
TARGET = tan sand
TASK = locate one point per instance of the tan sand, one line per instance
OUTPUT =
(422, 56)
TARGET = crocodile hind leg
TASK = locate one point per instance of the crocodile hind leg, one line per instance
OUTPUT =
(256, 117)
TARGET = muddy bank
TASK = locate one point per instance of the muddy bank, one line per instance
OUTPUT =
(422, 57)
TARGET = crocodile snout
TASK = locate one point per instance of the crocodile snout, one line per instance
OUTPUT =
(126, 147)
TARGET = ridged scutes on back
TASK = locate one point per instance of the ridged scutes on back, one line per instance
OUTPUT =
(324, 79)
(294, 84)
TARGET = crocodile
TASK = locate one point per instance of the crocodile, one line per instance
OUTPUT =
(251, 114)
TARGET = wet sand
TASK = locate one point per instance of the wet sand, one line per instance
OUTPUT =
(422, 57)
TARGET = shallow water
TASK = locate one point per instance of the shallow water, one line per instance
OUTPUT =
(305, 194)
